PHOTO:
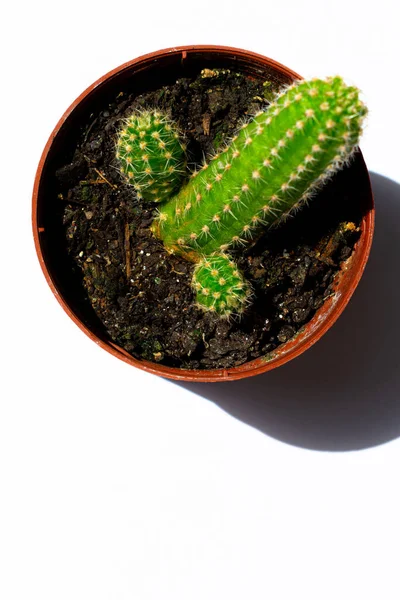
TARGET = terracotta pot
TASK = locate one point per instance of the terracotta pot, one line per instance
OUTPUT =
(151, 71)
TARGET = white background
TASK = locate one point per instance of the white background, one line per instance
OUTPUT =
(118, 485)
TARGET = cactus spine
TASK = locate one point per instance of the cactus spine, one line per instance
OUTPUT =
(151, 155)
(275, 163)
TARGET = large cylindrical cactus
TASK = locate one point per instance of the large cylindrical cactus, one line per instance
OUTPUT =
(275, 163)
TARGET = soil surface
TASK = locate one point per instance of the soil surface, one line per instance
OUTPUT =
(141, 293)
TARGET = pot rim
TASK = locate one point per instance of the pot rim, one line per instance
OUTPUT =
(313, 330)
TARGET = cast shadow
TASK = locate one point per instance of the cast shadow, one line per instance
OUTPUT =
(343, 393)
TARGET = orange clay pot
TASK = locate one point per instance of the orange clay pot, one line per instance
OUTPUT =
(160, 68)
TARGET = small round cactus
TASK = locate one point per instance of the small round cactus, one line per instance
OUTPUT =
(151, 155)
(219, 285)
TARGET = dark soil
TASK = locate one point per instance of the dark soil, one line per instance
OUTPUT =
(142, 294)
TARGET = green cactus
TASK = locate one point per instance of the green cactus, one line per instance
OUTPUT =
(151, 155)
(272, 166)
(219, 285)
(275, 163)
